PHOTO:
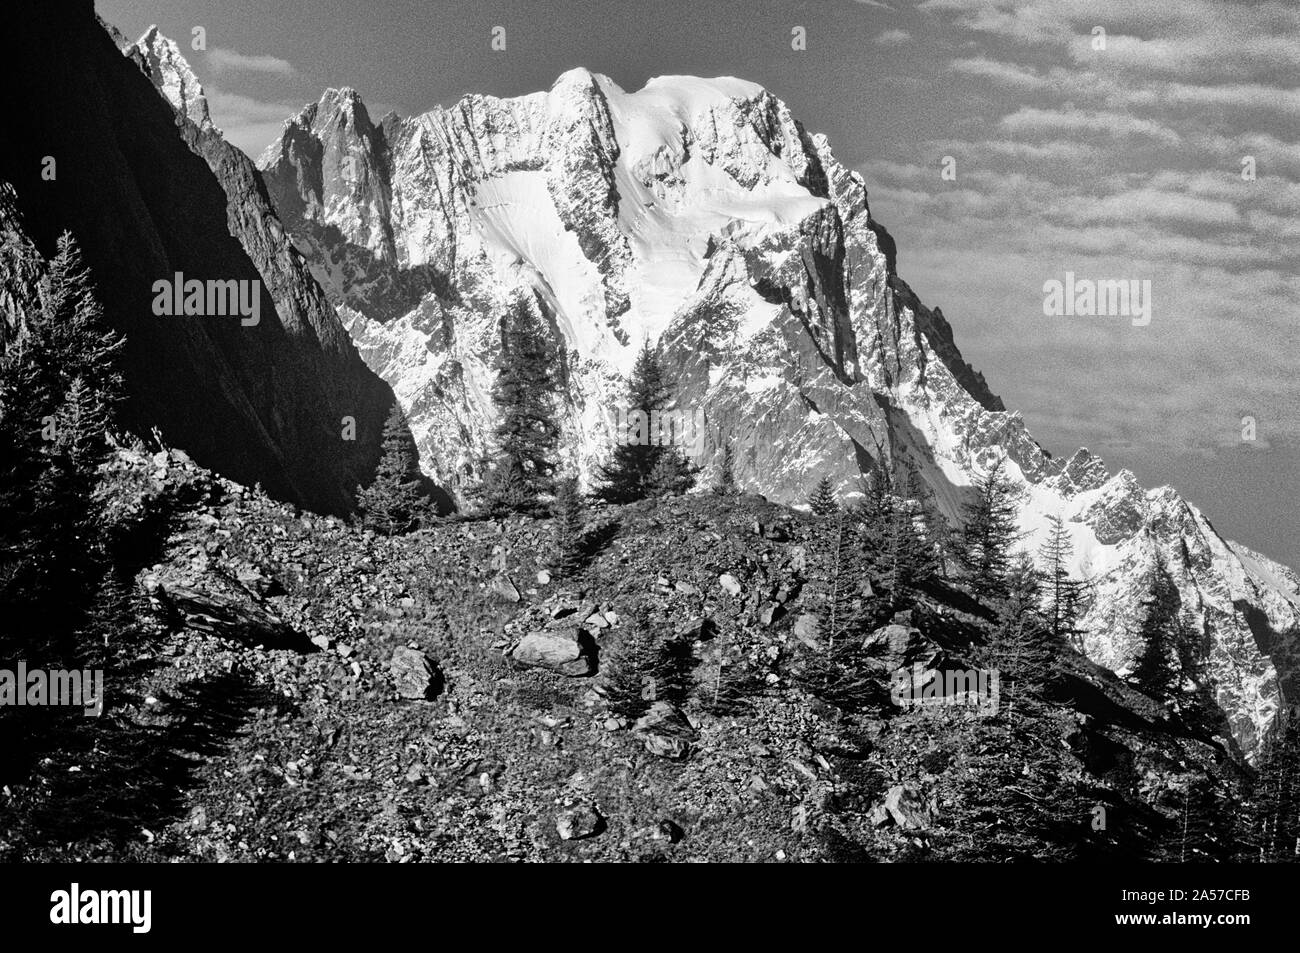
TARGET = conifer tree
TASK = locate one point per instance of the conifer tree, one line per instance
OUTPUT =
(726, 484)
(568, 518)
(823, 501)
(932, 526)
(1153, 669)
(900, 558)
(672, 474)
(524, 394)
(1065, 600)
(395, 501)
(1021, 651)
(643, 670)
(1024, 588)
(846, 610)
(989, 532)
(59, 388)
(641, 466)
(503, 488)
(1274, 804)
(733, 687)
(878, 494)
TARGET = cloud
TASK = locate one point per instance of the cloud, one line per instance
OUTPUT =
(1237, 96)
(1118, 163)
(221, 61)
(1195, 40)
(893, 38)
(1002, 74)
(1033, 121)
(1149, 205)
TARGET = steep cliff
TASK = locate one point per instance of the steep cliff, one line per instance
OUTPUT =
(91, 148)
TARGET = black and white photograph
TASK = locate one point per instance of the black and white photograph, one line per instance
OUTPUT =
(693, 431)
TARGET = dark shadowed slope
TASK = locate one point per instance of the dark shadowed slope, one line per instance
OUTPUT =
(147, 195)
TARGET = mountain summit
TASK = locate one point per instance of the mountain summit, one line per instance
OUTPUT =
(700, 215)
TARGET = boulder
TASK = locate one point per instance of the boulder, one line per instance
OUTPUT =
(566, 651)
(504, 588)
(897, 643)
(667, 746)
(579, 822)
(806, 629)
(729, 583)
(905, 806)
(666, 731)
(414, 675)
(568, 615)
(210, 602)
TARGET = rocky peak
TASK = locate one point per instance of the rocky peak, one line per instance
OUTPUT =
(699, 214)
(1082, 472)
(162, 61)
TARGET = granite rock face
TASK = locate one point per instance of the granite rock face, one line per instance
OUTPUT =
(700, 215)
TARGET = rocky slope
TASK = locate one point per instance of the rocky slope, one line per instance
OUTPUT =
(302, 690)
(147, 194)
(700, 215)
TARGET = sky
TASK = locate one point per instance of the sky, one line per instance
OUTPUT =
(1135, 140)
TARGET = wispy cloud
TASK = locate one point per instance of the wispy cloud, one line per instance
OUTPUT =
(221, 60)
(893, 38)
(1003, 74)
(1032, 121)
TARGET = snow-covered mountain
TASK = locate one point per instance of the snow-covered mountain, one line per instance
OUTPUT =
(700, 215)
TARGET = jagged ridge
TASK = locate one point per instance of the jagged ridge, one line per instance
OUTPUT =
(701, 215)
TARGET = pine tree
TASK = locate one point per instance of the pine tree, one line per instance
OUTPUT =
(732, 689)
(1273, 812)
(846, 600)
(989, 532)
(823, 501)
(726, 484)
(1065, 600)
(932, 526)
(843, 675)
(524, 394)
(643, 670)
(900, 559)
(672, 474)
(568, 518)
(1153, 669)
(58, 391)
(878, 494)
(1024, 588)
(395, 501)
(1022, 652)
(503, 488)
(642, 467)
